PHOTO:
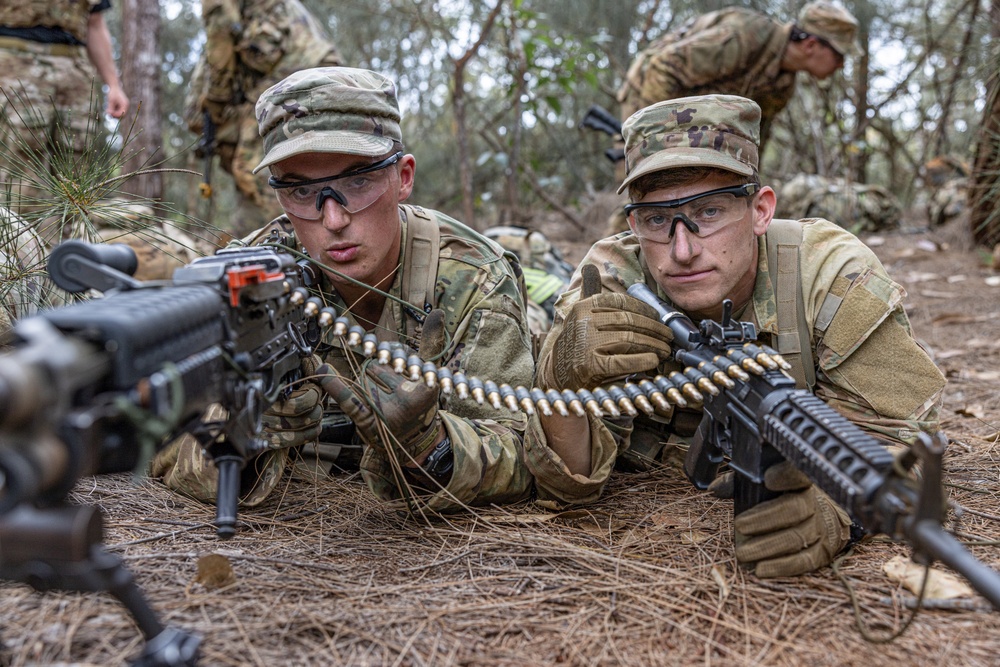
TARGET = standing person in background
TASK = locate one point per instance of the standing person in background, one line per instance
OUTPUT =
(737, 51)
(50, 53)
(250, 46)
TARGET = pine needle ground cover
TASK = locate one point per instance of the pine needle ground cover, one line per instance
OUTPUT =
(323, 574)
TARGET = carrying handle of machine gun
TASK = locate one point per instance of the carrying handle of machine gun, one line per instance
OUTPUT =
(76, 266)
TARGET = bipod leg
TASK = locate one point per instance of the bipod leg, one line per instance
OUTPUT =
(60, 548)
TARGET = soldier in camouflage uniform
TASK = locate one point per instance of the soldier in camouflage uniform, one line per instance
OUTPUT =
(737, 51)
(407, 274)
(702, 230)
(546, 273)
(250, 46)
(50, 52)
(858, 207)
(946, 189)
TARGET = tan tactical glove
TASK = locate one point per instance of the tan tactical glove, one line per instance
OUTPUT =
(297, 419)
(605, 337)
(797, 532)
(408, 410)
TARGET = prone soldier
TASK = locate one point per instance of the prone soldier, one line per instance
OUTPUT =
(404, 274)
(702, 230)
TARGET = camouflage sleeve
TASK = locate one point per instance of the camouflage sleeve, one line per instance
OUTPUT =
(490, 340)
(869, 365)
(555, 485)
(705, 57)
(222, 24)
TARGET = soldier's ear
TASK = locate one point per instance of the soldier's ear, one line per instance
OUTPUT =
(762, 206)
(407, 170)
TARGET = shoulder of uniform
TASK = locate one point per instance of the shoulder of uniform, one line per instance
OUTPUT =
(459, 242)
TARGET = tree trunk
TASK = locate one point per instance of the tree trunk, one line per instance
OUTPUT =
(140, 65)
(984, 194)
(862, 72)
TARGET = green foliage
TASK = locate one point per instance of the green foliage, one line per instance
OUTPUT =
(59, 184)
(545, 63)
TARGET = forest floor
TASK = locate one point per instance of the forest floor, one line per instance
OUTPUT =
(326, 575)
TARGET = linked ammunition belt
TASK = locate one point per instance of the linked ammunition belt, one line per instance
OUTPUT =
(648, 394)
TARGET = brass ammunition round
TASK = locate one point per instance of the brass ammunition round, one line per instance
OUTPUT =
(671, 391)
(478, 392)
(340, 326)
(507, 397)
(384, 353)
(313, 306)
(778, 359)
(590, 402)
(745, 362)
(354, 336)
(715, 374)
(298, 296)
(461, 385)
(369, 344)
(731, 369)
(622, 401)
(414, 365)
(760, 356)
(654, 394)
(686, 386)
(638, 398)
(430, 374)
(492, 393)
(399, 359)
(708, 386)
(327, 316)
(723, 380)
(445, 380)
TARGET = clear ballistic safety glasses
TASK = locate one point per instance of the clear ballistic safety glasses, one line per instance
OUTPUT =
(354, 190)
(702, 214)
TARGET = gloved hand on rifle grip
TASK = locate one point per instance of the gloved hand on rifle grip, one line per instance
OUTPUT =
(409, 410)
(800, 531)
(605, 337)
(297, 419)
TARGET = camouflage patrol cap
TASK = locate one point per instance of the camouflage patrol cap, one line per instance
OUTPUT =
(831, 22)
(720, 131)
(328, 110)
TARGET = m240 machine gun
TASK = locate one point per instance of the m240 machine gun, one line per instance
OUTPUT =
(99, 386)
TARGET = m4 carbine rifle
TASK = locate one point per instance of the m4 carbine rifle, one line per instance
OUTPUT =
(99, 386)
(754, 417)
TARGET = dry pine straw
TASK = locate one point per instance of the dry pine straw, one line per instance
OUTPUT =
(325, 574)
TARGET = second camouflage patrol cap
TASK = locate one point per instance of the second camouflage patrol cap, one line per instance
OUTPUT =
(833, 23)
(719, 131)
(328, 110)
